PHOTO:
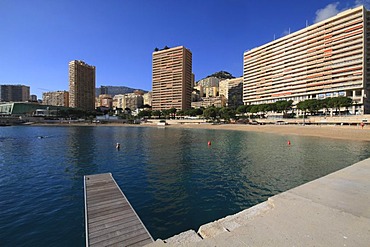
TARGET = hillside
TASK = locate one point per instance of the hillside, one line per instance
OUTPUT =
(222, 75)
(114, 90)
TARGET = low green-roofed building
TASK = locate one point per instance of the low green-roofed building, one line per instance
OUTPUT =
(25, 108)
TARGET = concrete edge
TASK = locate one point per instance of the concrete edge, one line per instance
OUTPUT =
(231, 222)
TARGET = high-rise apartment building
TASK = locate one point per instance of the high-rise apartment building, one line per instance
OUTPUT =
(104, 100)
(326, 59)
(81, 85)
(172, 79)
(132, 101)
(58, 98)
(208, 87)
(232, 90)
(33, 98)
(14, 93)
(147, 97)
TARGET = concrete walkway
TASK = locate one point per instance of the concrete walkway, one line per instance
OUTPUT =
(331, 211)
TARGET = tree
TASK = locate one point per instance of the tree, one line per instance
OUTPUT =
(166, 113)
(242, 109)
(325, 104)
(313, 105)
(339, 102)
(264, 108)
(194, 112)
(248, 109)
(144, 113)
(303, 106)
(147, 106)
(156, 113)
(198, 111)
(180, 113)
(272, 107)
(283, 106)
(226, 113)
(127, 111)
(75, 113)
(172, 112)
(210, 113)
(188, 112)
(63, 113)
(345, 102)
(254, 109)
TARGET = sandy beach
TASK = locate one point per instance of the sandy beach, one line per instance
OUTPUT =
(325, 131)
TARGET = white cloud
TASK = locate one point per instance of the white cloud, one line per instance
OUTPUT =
(366, 3)
(332, 9)
(327, 12)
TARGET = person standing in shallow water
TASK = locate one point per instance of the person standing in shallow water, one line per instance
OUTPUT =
(118, 146)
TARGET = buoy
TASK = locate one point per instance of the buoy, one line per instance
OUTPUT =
(288, 142)
(118, 146)
(209, 143)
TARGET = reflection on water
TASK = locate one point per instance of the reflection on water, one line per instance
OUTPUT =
(174, 180)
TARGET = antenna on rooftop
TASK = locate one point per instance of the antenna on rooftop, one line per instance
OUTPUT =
(274, 36)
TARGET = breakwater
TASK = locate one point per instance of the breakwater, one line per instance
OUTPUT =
(330, 211)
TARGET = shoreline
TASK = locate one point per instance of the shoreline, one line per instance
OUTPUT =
(345, 132)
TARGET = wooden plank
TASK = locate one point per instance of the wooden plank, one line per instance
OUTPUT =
(109, 216)
(118, 237)
(98, 204)
(109, 204)
(106, 220)
(107, 212)
(118, 227)
(110, 223)
(102, 190)
(97, 219)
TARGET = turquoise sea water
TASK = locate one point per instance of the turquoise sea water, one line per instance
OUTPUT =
(173, 179)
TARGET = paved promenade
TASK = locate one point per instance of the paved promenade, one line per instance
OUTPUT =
(331, 211)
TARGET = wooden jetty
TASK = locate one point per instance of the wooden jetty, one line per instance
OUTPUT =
(110, 219)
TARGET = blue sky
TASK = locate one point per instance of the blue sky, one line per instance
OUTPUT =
(39, 37)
